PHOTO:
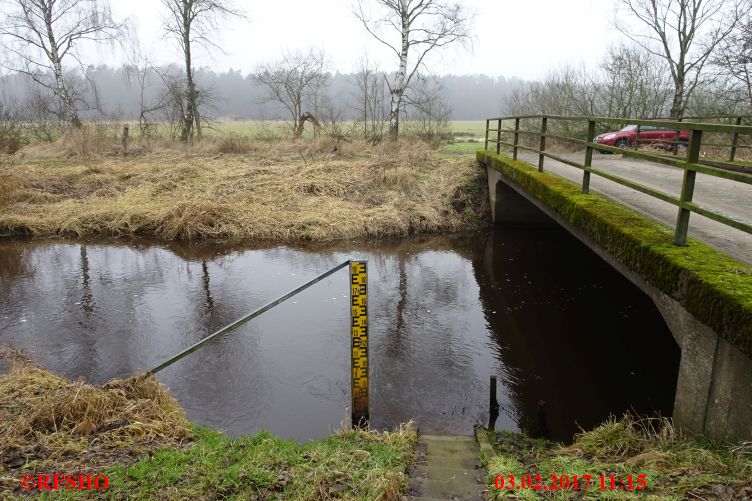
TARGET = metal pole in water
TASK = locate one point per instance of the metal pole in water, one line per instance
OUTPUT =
(493, 405)
(359, 334)
(237, 323)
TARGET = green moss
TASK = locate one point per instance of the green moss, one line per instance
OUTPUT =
(715, 288)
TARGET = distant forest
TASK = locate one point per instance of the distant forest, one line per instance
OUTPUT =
(116, 93)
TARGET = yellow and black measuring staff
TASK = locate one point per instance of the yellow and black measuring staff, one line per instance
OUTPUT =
(359, 332)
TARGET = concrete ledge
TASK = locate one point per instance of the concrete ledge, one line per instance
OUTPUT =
(713, 287)
(486, 450)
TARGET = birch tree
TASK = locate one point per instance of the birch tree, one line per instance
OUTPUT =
(685, 33)
(194, 23)
(40, 36)
(412, 29)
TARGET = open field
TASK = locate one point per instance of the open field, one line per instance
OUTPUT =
(283, 191)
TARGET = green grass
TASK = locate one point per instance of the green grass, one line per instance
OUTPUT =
(349, 465)
(465, 147)
(675, 468)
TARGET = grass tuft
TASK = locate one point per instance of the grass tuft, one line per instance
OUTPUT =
(50, 423)
(676, 467)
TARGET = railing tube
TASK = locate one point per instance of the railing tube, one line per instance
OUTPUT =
(588, 157)
(688, 188)
(735, 141)
(541, 156)
(516, 137)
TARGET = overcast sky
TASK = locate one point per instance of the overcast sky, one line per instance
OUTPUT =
(522, 38)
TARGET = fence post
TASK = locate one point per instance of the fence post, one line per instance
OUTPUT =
(498, 137)
(516, 137)
(735, 141)
(488, 122)
(544, 126)
(637, 137)
(688, 188)
(588, 158)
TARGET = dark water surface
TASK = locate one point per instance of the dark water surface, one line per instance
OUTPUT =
(559, 327)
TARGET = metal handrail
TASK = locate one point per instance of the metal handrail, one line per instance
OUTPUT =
(250, 316)
(669, 124)
(691, 164)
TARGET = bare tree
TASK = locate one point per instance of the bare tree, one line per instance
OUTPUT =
(39, 36)
(428, 114)
(423, 26)
(142, 71)
(734, 58)
(685, 33)
(295, 82)
(371, 106)
(191, 23)
(634, 84)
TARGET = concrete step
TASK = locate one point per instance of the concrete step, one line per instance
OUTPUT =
(447, 468)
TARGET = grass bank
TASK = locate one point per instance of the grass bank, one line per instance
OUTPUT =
(675, 467)
(235, 188)
(136, 434)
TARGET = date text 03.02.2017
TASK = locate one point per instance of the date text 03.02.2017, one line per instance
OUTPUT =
(572, 482)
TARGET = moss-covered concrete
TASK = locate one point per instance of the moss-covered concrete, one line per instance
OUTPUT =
(715, 288)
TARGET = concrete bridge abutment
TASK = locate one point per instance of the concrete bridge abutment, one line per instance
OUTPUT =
(714, 386)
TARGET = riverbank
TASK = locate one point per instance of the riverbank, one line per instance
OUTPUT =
(663, 465)
(137, 435)
(243, 191)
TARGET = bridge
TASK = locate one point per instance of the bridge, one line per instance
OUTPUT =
(677, 222)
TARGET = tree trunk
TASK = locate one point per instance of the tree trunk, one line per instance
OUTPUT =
(398, 89)
(190, 92)
(677, 108)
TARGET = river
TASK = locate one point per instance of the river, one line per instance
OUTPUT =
(570, 340)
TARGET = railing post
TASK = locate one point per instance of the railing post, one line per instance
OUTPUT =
(544, 126)
(735, 141)
(688, 188)
(498, 137)
(588, 158)
(516, 137)
(637, 138)
(487, 127)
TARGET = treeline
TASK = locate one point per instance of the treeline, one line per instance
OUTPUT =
(123, 93)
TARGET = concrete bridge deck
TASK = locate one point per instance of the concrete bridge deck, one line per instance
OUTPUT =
(729, 197)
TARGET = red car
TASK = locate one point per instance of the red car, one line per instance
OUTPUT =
(627, 137)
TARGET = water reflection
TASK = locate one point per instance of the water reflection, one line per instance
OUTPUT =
(553, 321)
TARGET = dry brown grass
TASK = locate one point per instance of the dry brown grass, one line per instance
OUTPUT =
(48, 421)
(283, 191)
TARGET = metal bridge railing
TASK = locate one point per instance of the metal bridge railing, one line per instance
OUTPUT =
(691, 164)
(358, 334)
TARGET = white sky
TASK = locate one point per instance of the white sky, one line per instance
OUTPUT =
(523, 38)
